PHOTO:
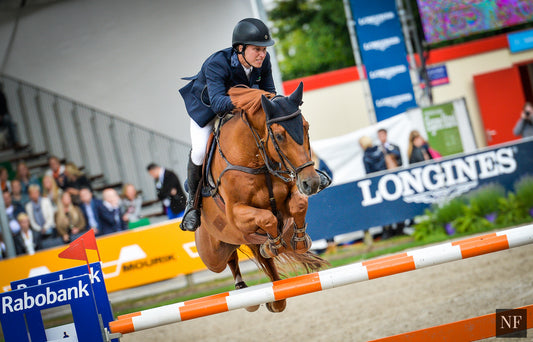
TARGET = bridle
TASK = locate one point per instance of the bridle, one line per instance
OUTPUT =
(284, 170)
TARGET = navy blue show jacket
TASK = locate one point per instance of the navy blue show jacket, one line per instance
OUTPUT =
(206, 93)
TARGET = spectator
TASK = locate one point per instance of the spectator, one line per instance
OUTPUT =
(27, 241)
(75, 180)
(6, 122)
(131, 203)
(25, 178)
(51, 190)
(16, 193)
(5, 183)
(69, 218)
(393, 157)
(373, 157)
(418, 149)
(169, 190)
(12, 211)
(40, 212)
(109, 213)
(90, 206)
(57, 170)
(3, 248)
(524, 125)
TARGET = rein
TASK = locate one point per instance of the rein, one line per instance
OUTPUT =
(261, 144)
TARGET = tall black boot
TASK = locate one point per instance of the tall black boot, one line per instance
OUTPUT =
(191, 218)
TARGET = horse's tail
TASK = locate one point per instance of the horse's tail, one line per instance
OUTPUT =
(288, 263)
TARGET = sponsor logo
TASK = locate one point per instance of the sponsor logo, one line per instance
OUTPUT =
(42, 299)
(376, 19)
(387, 73)
(382, 44)
(394, 101)
(437, 182)
(147, 263)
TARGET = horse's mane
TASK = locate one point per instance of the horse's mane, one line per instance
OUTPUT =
(248, 99)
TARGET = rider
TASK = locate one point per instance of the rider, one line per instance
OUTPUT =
(246, 62)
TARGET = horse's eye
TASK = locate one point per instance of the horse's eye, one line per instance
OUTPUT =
(279, 137)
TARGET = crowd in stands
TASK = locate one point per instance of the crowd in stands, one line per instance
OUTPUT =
(61, 206)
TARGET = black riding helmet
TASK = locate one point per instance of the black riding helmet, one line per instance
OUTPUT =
(251, 31)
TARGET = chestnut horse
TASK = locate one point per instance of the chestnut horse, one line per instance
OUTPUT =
(261, 175)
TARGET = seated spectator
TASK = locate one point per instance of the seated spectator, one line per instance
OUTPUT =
(419, 150)
(27, 241)
(25, 178)
(109, 213)
(12, 211)
(40, 212)
(17, 195)
(51, 190)
(3, 249)
(89, 206)
(5, 183)
(57, 171)
(131, 203)
(373, 157)
(68, 218)
(75, 180)
(393, 157)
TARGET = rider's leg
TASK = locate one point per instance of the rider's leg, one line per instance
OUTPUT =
(325, 180)
(199, 138)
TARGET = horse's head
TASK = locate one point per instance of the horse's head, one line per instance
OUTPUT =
(288, 140)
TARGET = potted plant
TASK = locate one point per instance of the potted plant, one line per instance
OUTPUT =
(484, 201)
(446, 213)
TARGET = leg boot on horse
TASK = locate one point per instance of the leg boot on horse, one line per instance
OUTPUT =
(191, 218)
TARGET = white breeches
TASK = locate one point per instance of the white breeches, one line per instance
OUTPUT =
(199, 138)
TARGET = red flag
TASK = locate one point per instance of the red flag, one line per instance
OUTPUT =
(89, 241)
(75, 251)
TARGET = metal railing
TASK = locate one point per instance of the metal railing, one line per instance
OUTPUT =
(102, 143)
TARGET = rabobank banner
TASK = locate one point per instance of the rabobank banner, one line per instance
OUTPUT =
(382, 49)
(394, 196)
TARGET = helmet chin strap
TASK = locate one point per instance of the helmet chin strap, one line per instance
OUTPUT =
(243, 57)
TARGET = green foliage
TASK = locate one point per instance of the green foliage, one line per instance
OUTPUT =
(484, 200)
(427, 226)
(511, 211)
(449, 211)
(471, 222)
(311, 37)
(524, 191)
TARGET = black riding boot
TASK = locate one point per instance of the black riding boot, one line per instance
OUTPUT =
(191, 218)
(325, 180)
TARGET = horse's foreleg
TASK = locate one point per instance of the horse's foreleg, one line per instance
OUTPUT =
(300, 241)
(233, 264)
(249, 220)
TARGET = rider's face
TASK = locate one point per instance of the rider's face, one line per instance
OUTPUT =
(255, 55)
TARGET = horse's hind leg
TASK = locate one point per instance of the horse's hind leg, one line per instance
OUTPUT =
(269, 267)
(233, 264)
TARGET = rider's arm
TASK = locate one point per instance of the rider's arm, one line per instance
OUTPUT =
(218, 74)
(267, 81)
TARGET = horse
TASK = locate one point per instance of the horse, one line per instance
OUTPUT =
(261, 175)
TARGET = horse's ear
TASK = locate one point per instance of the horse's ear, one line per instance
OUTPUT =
(296, 96)
(268, 107)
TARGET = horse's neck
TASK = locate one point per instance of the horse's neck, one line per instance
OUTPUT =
(238, 144)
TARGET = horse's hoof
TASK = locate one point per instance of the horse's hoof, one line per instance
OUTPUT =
(277, 306)
(252, 308)
(269, 251)
(304, 242)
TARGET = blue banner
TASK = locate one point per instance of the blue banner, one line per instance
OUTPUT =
(395, 196)
(520, 41)
(382, 49)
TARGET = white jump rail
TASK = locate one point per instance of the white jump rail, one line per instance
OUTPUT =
(322, 280)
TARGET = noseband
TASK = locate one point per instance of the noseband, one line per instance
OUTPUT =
(284, 170)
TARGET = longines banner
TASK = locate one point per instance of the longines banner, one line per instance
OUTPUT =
(391, 197)
(382, 48)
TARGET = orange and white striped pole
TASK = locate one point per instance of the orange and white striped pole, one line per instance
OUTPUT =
(327, 279)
